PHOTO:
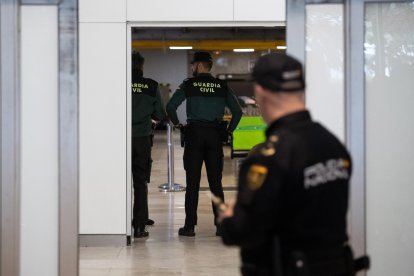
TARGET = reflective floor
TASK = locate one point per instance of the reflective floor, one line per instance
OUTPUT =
(164, 252)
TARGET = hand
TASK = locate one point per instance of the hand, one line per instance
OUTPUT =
(230, 135)
(178, 126)
(226, 211)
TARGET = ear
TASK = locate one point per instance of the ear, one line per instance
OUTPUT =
(259, 91)
(200, 66)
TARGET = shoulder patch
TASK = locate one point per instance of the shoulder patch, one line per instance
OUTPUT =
(256, 176)
(269, 147)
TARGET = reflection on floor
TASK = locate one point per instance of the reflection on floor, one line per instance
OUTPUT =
(164, 252)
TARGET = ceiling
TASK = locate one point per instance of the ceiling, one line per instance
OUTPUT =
(209, 38)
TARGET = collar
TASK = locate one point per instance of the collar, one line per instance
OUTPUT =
(292, 118)
(203, 74)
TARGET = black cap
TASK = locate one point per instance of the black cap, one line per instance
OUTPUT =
(279, 72)
(202, 57)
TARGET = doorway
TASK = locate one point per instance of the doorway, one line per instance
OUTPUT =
(167, 52)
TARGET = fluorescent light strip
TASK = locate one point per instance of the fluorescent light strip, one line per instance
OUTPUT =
(281, 47)
(243, 50)
(181, 47)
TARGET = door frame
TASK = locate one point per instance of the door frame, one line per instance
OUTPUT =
(131, 25)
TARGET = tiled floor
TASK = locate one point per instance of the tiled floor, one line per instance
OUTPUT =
(164, 252)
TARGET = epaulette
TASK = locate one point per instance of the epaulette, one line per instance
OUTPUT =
(184, 83)
(153, 81)
(269, 147)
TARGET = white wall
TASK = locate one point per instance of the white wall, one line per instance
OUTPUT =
(102, 54)
(260, 10)
(39, 141)
(325, 96)
(389, 71)
(201, 10)
(168, 67)
(180, 10)
(102, 11)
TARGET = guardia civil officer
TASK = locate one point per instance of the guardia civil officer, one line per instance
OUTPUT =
(290, 214)
(206, 98)
(146, 103)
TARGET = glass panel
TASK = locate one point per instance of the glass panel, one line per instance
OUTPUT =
(389, 74)
(325, 65)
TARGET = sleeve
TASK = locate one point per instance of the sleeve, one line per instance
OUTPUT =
(236, 111)
(174, 103)
(237, 226)
(257, 205)
(159, 111)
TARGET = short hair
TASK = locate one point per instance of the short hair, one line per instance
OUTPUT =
(207, 64)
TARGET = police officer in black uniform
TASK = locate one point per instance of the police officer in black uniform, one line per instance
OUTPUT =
(146, 103)
(206, 98)
(290, 213)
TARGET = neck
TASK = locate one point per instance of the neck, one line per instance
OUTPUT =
(138, 72)
(283, 110)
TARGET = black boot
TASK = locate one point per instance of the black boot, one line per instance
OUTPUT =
(218, 230)
(149, 222)
(140, 232)
(187, 231)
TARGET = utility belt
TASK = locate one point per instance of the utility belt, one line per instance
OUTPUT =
(326, 262)
(220, 126)
(215, 124)
(323, 262)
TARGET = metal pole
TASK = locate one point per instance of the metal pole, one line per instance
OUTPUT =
(170, 186)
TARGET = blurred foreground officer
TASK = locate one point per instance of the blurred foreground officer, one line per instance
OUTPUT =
(146, 102)
(204, 134)
(290, 214)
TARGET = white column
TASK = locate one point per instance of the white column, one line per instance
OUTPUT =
(102, 115)
(39, 141)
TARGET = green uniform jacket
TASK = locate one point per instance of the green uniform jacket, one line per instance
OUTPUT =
(206, 99)
(146, 102)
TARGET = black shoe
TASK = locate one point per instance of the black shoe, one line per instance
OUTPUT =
(187, 231)
(149, 222)
(140, 232)
(218, 231)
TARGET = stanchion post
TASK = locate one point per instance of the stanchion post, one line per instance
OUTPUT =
(170, 186)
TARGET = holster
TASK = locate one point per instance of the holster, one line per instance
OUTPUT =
(149, 170)
(325, 262)
(224, 134)
(183, 130)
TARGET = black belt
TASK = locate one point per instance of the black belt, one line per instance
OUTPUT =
(203, 124)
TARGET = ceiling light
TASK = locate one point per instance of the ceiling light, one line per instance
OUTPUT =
(281, 47)
(243, 50)
(181, 47)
